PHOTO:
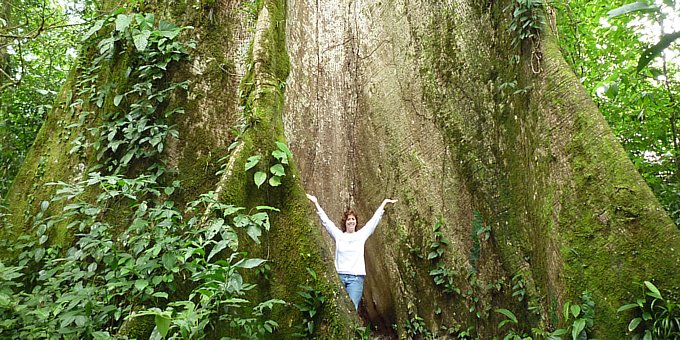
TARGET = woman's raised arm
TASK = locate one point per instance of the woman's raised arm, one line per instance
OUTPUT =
(370, 226)
(325, 221)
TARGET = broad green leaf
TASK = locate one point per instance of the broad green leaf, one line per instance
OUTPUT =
(168, 30)
(128, 156)
(627, 307)
(510, 315)
(122, 22)
(254, 232)
(280, 156)
(141, 39)
(277, 170)
(633, 324)
(578, 326)
(117, 99)
(166, 26)
(639, 6)
(96, 27)
(654, 291)
(283, 147)
(259, 178)
(559, 332)
(141, 284)
(232, 239)
(217, 248)
(252, 161)
(575, 310)
(101, 335)
(275, 181)
(250, 263)
(649, 54)
(155, 335)
(163, 325)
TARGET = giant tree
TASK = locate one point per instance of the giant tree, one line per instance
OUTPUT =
(514, 194)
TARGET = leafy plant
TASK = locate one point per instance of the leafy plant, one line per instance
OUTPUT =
(282, 154)
(513, 333)
(415, 325)
(312, 303)
(655, 317)
(135, 114)
(478, 231)
(441, 274)
(518, 287)
(528, 19)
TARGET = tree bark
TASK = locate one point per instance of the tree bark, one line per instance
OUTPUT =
(5, 14)
(421, 101)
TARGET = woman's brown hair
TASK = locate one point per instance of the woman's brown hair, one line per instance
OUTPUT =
(348, 212)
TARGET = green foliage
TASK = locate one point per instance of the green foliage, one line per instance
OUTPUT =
(442, 275)
(640, 107)
(415, 325)
(582, 320)
(579, 319)
(278, 170)
(518, 287)
(37, 49)
(654, 317)
(666, 40)
(312, 304)
(93, 286)
(179, 266)
(513, 332)
(135, 111)
(528, 19)
(479, 231)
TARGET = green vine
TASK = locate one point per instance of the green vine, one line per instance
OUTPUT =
(135, 112)
(528, 19)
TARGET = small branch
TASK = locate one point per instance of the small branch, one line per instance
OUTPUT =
(38, 31)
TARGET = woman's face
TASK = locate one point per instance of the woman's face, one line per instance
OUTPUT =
(350, 224)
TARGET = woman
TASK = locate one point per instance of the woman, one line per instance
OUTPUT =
(349, 246)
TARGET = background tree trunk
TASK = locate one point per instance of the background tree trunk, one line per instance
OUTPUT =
(5, 15)
(421, 101)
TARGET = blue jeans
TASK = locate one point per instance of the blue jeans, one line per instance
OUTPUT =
(354, 284)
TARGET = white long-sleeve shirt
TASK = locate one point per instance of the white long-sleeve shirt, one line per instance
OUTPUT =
(349, 247)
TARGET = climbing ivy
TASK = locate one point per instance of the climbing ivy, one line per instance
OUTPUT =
(277, 170)
(527, 20)
(442, 275)
(136, 115)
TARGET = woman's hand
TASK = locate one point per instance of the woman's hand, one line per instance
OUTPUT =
(387, 200)
(312, 198)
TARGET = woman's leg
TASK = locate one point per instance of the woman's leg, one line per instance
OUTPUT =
(354, 284)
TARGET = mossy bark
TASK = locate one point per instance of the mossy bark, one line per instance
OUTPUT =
(240, 61)
(427, 102)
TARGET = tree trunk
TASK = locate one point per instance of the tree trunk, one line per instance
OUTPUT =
(5, 16)
(425, 102)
